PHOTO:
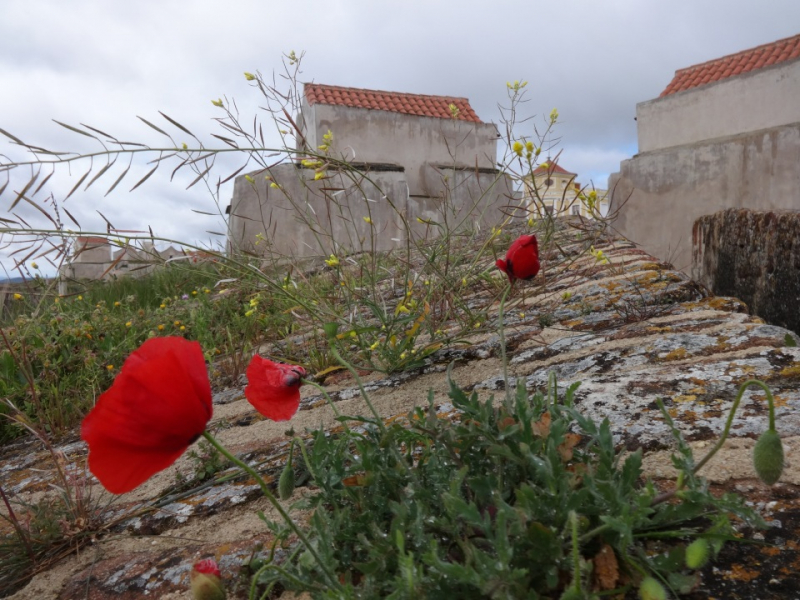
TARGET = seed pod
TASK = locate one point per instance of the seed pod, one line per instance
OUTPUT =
(651, 589)
(697, 554)
(286, 482)
(768, 457)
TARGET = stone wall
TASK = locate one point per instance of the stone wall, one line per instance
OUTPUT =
(660, 194)
(754, 256)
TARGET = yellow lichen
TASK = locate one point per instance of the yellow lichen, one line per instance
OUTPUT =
(677, 354)
(685, 398)
(792, 371)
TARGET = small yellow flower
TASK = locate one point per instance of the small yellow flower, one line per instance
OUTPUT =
(128, 324)
(566, 296)
(553, 115)
(117, 304)
(274, 185)
(161, 328)
(205, 291)
(353, 334)
(517, 148)
(217, 102)
(177, 323)
(374, 346)
(522, 315)
(529, 148)
(183, 328)
(531, 222)
(403, 355)
(110, 367)
(367, 220)
(319, 175)
(163, 306)
(34, 265)
(464, 281)
(17, 296)
(401, 309)
(426, 282)
(478, 325)
(333, 261)
(249, 179)
(249, 76)
(80, 297)
(194, 292)
(249, 313)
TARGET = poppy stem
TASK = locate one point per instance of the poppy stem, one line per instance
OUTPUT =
(501, 333)
(375, 413)
(274, 501)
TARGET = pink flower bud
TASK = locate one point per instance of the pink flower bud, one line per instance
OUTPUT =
(205, 581)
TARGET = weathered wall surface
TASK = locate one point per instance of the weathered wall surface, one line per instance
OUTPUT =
(304, 217)
(754, 256)
(759, 100)
(416, 143)
(660, 194)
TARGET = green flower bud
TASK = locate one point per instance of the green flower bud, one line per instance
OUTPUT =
(697, 554)
(572, 594)
(331, 329)
(651, 589)
(768, 457)
(286, 482)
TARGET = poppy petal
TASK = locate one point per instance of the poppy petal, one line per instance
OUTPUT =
(273, 388)
(158, 405)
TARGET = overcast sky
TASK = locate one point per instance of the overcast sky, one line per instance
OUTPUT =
(102, 63)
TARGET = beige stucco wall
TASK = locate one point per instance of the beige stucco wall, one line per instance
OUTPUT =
(309, 218)
(660, 194)
(760, 100)
(376, 136)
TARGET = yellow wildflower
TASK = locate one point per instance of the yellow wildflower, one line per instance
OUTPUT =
(217, 102)
(249, 179)
(34, 265)
(249, 76)
(128, 324)
(553, 115)
(17, 296)
(333, 261)
(375, 345)
(163, 306)
(367, 220)
(161, 328)
(319, 175)
(517, 148)
(176, 323)
(110, 367)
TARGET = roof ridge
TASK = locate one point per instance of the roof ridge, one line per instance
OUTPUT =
(421, 105)
(739, 53)
(731, 65)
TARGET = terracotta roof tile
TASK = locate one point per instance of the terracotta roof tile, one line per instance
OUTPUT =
(407, 104)
(734, 64)
(551, 168)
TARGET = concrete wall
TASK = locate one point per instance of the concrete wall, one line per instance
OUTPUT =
(378, 136)
(311, 218)
(660, 194)
(754, 256)
(759, 100)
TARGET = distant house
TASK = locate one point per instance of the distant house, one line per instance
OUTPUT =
(559, 193)
(723, 134)
(413, 156)
(93, 257)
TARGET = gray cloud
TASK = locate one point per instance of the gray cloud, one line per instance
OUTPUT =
(103, 63)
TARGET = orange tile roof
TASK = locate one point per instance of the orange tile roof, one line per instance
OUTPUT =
(551, 168)
(734, 64)
(408, 104)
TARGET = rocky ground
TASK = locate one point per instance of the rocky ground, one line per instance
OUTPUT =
(632, 331)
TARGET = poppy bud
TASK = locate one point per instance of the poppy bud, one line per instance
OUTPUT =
(651, 589)
(330, 329)
(697, 554)
(286, 482)
(768, 457)
(205, 581)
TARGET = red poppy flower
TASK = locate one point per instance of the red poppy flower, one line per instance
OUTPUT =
(158, 405)
(522, 259)
(273, 388)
